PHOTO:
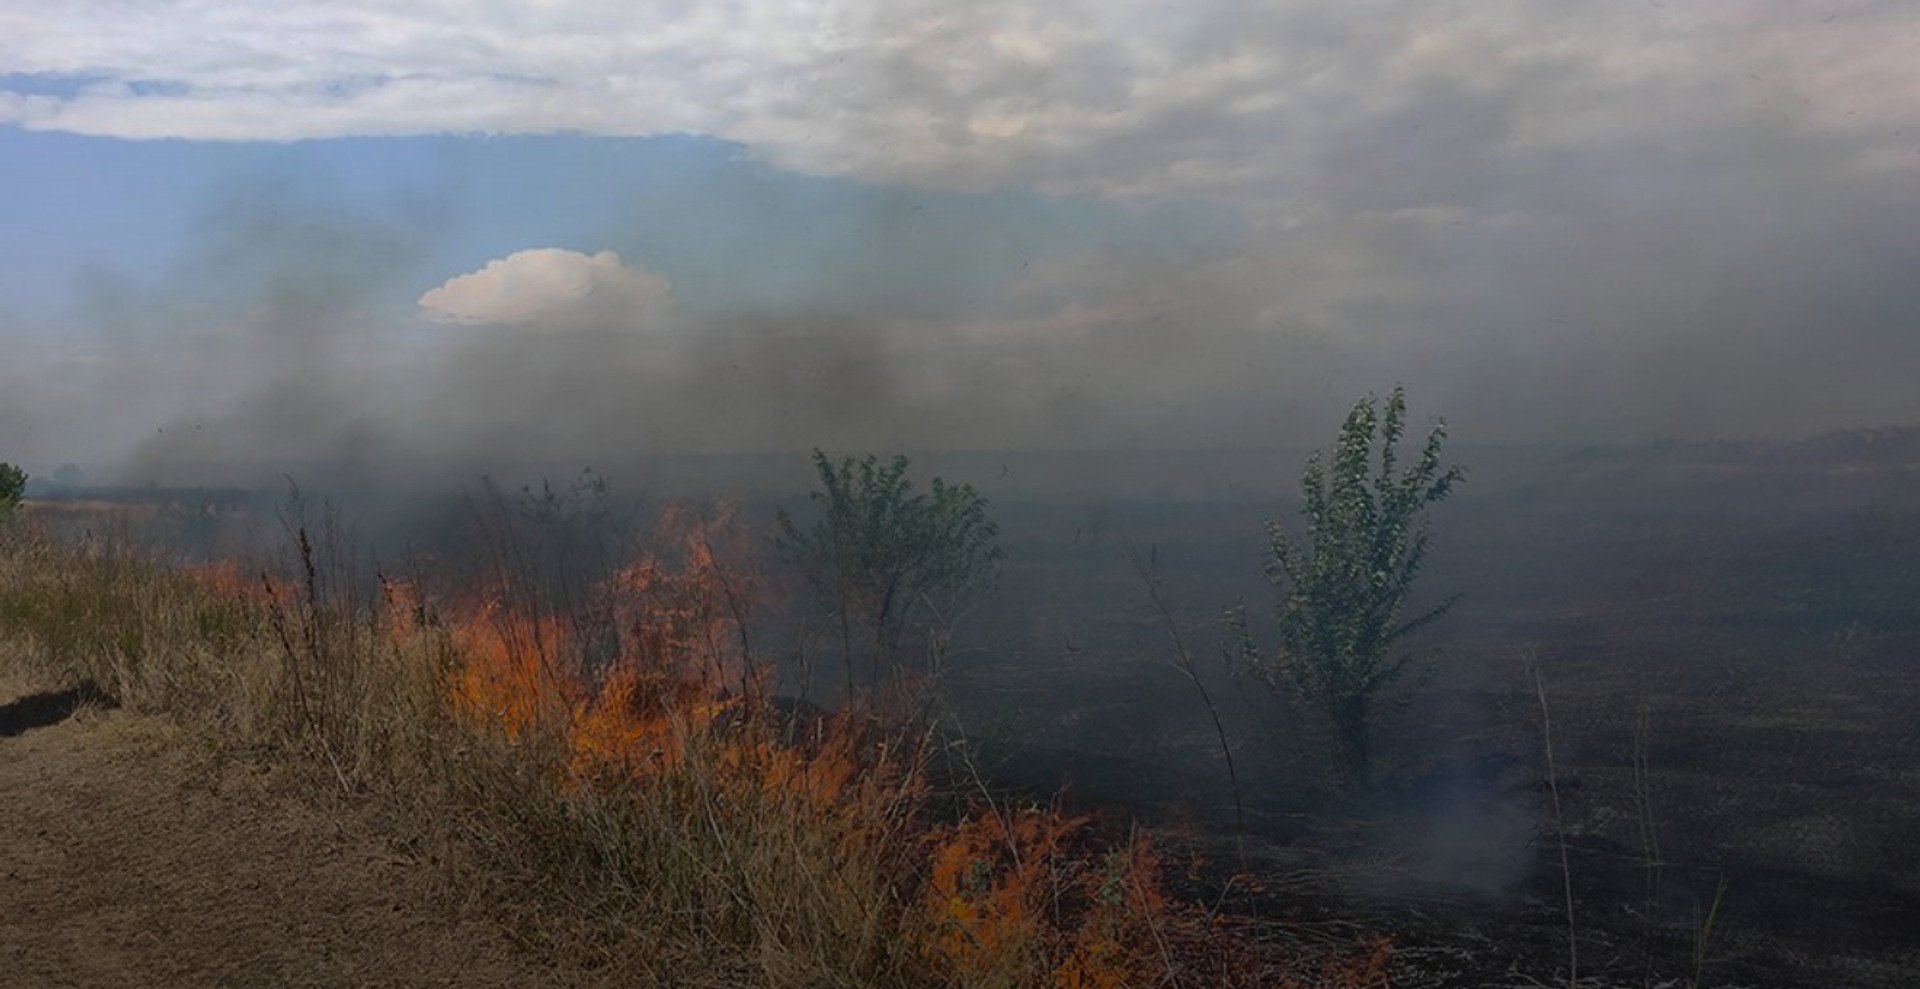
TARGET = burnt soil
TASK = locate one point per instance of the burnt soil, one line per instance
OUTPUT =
(1731, 656)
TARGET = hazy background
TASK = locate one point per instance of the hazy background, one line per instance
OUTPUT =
(415, 240)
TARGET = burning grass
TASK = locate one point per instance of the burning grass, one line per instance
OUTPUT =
(632, 799)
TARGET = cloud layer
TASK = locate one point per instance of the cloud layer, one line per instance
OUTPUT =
(1125, 98)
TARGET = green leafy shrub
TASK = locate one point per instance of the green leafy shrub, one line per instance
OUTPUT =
(1341, 592)
(13, 487)
(899, 566)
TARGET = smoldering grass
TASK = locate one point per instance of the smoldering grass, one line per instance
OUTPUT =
(637, 810)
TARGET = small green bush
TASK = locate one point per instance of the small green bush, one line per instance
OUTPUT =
(1341, 591)
(13, 487)
(896, 564)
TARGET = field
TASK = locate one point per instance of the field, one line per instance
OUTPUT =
(1728, 647)
(1723, 643)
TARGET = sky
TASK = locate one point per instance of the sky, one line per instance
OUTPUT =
(405, 236)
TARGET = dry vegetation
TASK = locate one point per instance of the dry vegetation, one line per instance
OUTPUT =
(614, 779)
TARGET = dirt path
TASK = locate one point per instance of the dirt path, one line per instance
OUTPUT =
(128, 859)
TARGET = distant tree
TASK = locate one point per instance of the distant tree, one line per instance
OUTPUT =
(68, 476)
(898, 565)
(13, 487)
(1340, 592)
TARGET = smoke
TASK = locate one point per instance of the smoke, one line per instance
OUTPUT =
(287, 342)
(1608, 301)
(1565, 227)
(1729, 314)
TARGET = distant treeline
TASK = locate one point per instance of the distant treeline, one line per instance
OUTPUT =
(1886, 445)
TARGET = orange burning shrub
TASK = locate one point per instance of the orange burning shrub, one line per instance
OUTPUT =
(991, 880)
(1113, 944)
(1021, 882)
(681, 613)
(682, 663)
(511, 674)
(818, 779)
(680, 675)
(631, 724)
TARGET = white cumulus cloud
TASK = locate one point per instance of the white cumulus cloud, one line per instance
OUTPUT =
(555, 288)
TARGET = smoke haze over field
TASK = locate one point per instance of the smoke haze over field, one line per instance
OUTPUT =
(1119, 264)
(934, 228)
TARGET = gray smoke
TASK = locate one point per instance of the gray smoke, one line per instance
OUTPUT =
(1708, 259)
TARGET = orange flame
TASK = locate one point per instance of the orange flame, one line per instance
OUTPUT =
(1000, 883)
(511, 675)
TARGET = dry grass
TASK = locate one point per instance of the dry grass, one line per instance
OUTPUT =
(645, 812)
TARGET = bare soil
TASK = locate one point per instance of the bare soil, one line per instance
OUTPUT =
(132, 856)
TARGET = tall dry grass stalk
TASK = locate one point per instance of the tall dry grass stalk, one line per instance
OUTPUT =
(1149, 574)
(1559, 818)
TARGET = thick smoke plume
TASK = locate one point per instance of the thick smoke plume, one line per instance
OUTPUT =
(1554, 226)
(1730, 315)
